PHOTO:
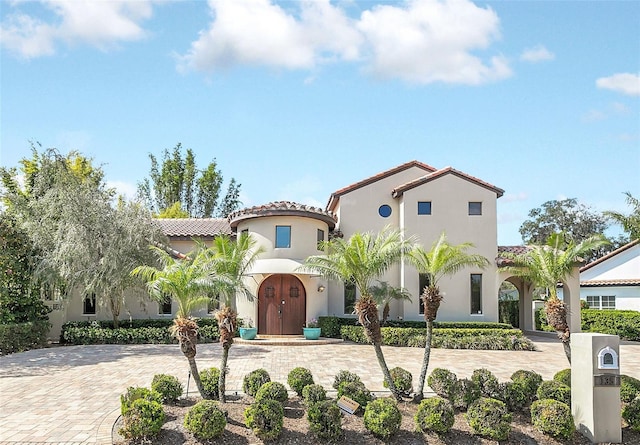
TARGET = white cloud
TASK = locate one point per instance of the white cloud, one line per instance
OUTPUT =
(625, 83)
(537, 54)
(593, 116)
(123, 188)
(302, 191)
(97, 23)
(421, 41)
(514, 197)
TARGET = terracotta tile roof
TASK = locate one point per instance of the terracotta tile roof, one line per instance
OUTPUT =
(281, 208)
(502, 261)
(610, 254)
(398, 191)
(193, 227)
(619, 282)
(333, 199)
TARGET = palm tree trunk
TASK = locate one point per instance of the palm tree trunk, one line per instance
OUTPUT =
(386, 373)
(222, 395)
(195, 374)
(425, 362)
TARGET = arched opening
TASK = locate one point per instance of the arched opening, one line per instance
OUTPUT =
(282, 303)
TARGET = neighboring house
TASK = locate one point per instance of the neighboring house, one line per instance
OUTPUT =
(613, 281)
(414, 197)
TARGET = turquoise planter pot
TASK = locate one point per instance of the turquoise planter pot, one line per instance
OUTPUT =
(311, 333)
(248, 333)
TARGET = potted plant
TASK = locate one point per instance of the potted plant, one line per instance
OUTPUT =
(311, 331)
(247, 331)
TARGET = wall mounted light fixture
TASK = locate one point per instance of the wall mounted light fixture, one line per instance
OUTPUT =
(321, 288)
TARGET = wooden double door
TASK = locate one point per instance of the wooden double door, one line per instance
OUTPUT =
(281, 305)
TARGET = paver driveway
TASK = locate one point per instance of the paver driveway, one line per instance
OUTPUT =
(70, 395)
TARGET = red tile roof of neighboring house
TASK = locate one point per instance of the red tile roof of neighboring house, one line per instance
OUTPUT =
(398, 191)
(281, 208)
(333, 199)
(193, 227)
(619, 282)
(502, 261)
(610, 254)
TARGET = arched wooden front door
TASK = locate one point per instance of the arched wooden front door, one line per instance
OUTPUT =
(281, 305)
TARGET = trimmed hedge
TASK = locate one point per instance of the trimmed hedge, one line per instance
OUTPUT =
(623, 323)
(19, 337)
(139, 331)
(451, 338)
(331, 326)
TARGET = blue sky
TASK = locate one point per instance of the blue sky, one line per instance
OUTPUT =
(298, 99)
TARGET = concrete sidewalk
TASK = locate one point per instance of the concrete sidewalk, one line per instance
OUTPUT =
(70, 395)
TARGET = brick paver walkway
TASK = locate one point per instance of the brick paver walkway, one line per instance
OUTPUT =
(70, 395)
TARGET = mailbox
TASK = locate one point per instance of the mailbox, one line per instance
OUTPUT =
(608, 358)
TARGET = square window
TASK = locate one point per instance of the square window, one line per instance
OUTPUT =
(608, 302)
(89, 304)
(283, 237)
(475, 208)
(164, 308)
(424, 207)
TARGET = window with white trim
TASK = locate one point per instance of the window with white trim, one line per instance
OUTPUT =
(601, 301)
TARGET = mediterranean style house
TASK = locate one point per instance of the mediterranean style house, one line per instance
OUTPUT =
(415, 197)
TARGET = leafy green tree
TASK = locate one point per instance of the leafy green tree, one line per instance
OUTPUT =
(229, 262)
(550, 264)
(630, 223)
(176, 179)
(175, 211)
(189, 282)
(577, 221)
(442, 260)
(361, 259)
(383, 294)
(85, 241)
(20, 300)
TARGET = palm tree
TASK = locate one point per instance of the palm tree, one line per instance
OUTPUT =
(443, 259)
(383, 293)
(185, 280)
(229, 262)
(546, 266)
(631, 222)
(360, 259)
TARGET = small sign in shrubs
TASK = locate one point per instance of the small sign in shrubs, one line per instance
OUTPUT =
(553, 418)
(205, 420)
(434, 414)
(382, 417)
(356, 391)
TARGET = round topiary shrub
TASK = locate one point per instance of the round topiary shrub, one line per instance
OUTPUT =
(205, 420)
(298, 378)
(563, 377)
(210, 379)
(168, 386)
(631, 414)
(402, 380)
(553, 418)
(254, 380)
(382, 417)
(137, 392)
(487, 383)
(355, 391)
(265, 418)
(434, 414)
(490, 418)
(465, 392)
(274, 391)
(442, 382)
(552, 389)
(312, 394)
(629, 388)
(516, 395)
(530, 379)
(144, 419)
(325, 421)
(345, 376)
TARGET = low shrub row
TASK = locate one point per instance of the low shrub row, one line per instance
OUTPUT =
(331, 326)
(451, 338)
(625, 324)
(131, 332)
(18, 337)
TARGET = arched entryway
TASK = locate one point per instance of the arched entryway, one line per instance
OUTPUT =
(281, 305)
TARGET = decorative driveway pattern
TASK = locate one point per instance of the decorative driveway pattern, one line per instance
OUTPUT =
(70, 395)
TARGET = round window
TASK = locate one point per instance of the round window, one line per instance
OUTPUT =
(384, 210)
